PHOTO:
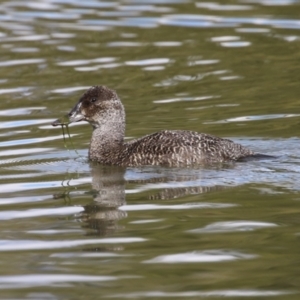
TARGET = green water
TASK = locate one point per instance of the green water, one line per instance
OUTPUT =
(75, 230)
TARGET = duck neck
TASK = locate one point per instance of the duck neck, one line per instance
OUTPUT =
(108, 139)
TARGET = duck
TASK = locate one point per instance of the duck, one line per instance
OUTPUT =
(102, 108)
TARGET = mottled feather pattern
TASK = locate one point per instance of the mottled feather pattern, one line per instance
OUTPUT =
(181, 148)
(102, 108)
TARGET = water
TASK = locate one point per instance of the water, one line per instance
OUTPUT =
(76, 230)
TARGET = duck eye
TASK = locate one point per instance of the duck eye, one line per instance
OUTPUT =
(93, 100)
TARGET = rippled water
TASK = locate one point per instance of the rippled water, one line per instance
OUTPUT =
(76, 230)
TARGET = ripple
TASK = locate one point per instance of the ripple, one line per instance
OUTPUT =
(63, 35)
(255, 118)
(36, 5)
(22, 245)
(32, 213)
(225, 38)
(12, 152)
(290, 38)
(80, 62)
(87, 69)
(125, 44)
(230, 78)
(202, 205)
(167, 44)
(66, 48)
(36, 280)
(54, 231)
(14, 90)
(98, 67)
(25, 50)
(15, 132)
(70, 89)
(31, 37)
(232, 226)
(179, 78)
(45, 15)
(15, 200)
(203, 62)
(147, 62)
(25, 186)
(272, 2)
(81, 27)
(89, 254)
(145, 8)
(146, 221)
(218, 293)
(91, 3)
(160, 1)
(21, 123)
(193, 20)
(30, 141)
(185, 99)
(154, 68)
(235, 44)
(216, 6)
(200, 256)
(17, 62)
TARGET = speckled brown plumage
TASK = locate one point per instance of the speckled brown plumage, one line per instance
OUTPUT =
(101, 107)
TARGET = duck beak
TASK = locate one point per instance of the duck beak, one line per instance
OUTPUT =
(75, 115)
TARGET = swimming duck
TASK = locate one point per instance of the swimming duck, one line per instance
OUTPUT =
(103, 109)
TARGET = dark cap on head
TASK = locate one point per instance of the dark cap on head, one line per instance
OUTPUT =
(100, 92)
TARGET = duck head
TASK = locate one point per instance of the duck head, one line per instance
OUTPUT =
(98, 105)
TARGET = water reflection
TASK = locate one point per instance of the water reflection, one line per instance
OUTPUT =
(108, 188)
(193, 20)
(109, 201)
(196, 257)
(39, 280)
(232, 226)
(25, 245)
(219, 293)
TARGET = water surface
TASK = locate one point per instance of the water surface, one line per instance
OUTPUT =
(71, 229)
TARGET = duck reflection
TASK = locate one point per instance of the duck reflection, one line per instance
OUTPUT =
(108, 190)
(108, 186)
